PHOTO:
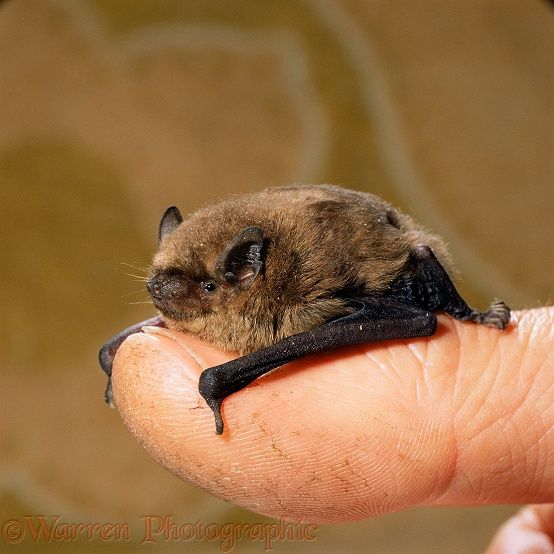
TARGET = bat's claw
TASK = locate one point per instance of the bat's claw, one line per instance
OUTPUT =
(207, 386)
(108, 395)
(215, 405)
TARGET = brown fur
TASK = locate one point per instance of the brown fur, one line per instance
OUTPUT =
(319, 239)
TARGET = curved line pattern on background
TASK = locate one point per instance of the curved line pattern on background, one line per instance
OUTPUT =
(393, 140)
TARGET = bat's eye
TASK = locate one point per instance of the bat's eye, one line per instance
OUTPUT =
(209, 286)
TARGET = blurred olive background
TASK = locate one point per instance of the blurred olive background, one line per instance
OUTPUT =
(111, 110)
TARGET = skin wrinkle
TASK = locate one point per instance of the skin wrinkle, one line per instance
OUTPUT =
(483, 384)
(424, 374)
(516, 411)
(454, 346)
(478, 486)
(519, 361)
(381, 365)
(389, 369)
(546, 391)
(421, 377)
(487, 425)
(449, 460)
(541, 459)
(471, 407)
(524, 394)
(531, 458)
(519, 404)
(409, 368)
(450, 469)
(200, 363)
(544, 460)
(532, 467)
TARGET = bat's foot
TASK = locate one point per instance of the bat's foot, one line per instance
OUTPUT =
(497, 316)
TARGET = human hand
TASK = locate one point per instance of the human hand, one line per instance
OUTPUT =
(463, 417)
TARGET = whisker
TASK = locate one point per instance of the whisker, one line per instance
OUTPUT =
(133, 292)
(139, 277)
(143, 269)
(136, 303)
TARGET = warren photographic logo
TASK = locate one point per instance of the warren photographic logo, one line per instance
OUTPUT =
(50, 529)
(155, 529)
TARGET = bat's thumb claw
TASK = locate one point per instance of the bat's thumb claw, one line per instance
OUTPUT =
(215, 405)
(108, 395)
(206, 385)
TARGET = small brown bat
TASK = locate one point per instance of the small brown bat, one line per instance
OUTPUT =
(295, 270)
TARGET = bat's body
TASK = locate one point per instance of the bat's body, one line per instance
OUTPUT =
(295, 270)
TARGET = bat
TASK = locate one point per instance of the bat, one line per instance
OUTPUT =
(295, 270)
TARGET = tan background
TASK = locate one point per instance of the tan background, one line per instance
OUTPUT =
(110, 110)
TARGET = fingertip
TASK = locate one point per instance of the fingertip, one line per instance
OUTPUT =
(153, 377)
(530, 530)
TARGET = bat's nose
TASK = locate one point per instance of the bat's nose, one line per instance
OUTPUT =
(155, 287)
(165, 286)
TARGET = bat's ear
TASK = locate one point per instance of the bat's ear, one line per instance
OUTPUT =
(171, 219)
(242, 260)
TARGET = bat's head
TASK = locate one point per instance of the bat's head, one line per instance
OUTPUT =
(202, 275)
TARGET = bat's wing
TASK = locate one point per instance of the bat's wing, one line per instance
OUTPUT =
(376, 319)
(108, 351)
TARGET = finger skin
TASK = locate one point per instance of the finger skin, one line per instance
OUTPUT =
(530, 531)
(463, 417)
